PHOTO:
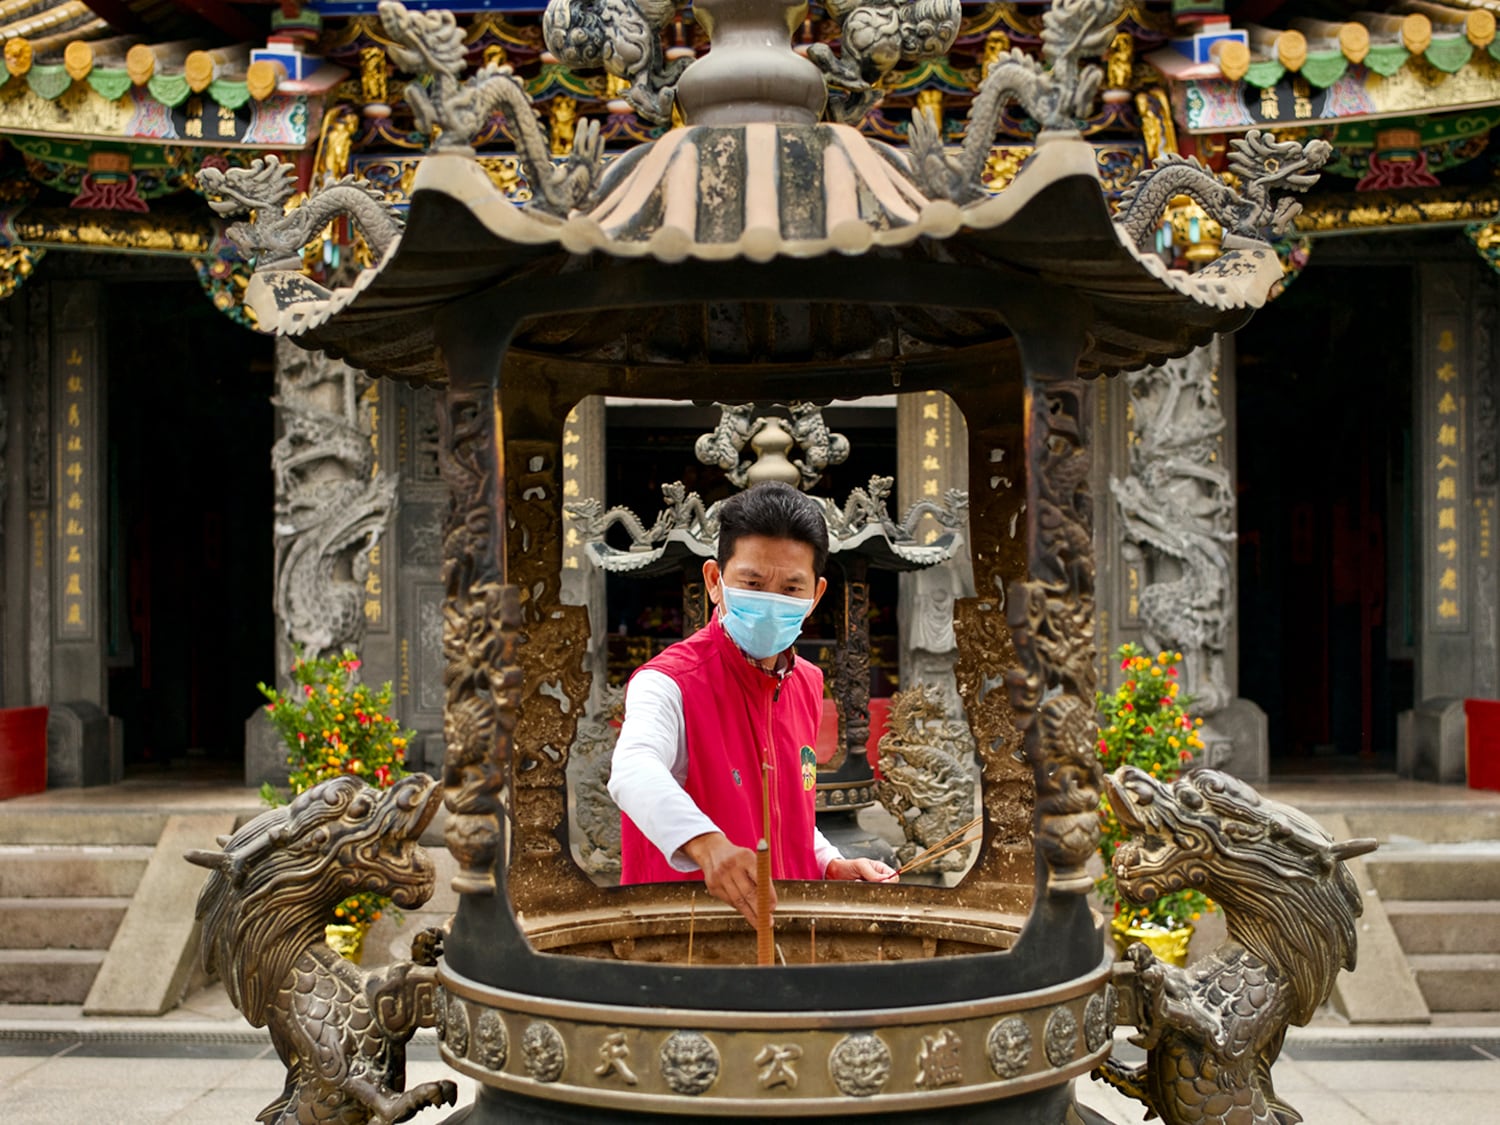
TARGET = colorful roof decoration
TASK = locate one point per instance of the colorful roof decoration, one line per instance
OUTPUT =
(114, 105)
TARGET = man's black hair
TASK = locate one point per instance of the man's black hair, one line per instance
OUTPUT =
(777, 511)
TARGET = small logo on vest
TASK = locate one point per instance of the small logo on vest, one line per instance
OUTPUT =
(809, 769)
(736, 775)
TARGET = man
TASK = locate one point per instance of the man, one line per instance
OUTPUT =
(730, 709)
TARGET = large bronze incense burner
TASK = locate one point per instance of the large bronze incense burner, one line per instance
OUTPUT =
(759, 253)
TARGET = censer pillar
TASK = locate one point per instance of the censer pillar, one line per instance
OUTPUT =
(1051, 613)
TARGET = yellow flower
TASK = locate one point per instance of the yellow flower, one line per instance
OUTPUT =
(1162, 658)
(339, 717)
(1196, 915)
(1177, 656)
(1172, 742)
(1156, 671)
(1197, 722)
(1172, 690)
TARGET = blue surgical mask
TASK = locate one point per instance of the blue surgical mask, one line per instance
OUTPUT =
(762, 624)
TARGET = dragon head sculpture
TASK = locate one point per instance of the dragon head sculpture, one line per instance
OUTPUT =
(276, 881)
(1280, 879)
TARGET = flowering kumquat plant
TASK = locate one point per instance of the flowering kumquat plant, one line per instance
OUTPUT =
(333, 725)
(1145, 723)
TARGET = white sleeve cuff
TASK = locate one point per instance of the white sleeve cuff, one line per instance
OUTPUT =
(824, 853)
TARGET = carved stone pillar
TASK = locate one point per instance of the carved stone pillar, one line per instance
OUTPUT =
(1051, 613)
(931, 439)
(1457, 489)
(332, 507)
(480, 621)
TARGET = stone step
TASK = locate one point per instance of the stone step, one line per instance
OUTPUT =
(70, 827)
(1458, 982)
(47, 976)
(35, 871)
(60, 923)
(1436, 872)
(1448, 825)
(1446, 927)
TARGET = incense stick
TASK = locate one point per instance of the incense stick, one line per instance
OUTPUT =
(957, 832)
(928, 856)
(764, 926)
(764, 952)
(692, 920)
(812, 941)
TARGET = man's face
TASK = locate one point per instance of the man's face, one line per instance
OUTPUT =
(773, 566)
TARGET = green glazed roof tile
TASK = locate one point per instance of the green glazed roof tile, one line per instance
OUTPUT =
(48, 81)
(1449, 53)
(1324, 68)
(1265, 73)
(229, 94)
(109, 84)
(169, 89)
(1386, 58)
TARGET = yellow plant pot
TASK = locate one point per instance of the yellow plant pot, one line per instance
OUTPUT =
(1170, 946)
(347, 941)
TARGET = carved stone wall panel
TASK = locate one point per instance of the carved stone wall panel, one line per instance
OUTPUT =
(931, 459)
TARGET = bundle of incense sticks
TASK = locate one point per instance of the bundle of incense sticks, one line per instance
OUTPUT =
(764, 947)
(943, 846)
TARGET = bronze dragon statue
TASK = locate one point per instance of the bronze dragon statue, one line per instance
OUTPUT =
(1213, 1031)
(341, 1032)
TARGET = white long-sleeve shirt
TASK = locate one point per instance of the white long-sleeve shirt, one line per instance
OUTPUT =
(650, 766)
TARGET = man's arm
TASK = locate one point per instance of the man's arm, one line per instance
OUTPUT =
(649, 761)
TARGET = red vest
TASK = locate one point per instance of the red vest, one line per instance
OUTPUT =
(736, 715)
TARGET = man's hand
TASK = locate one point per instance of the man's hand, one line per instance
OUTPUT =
(728, 871)
(867, 870)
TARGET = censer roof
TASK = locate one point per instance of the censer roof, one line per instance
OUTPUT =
(733, 198)
(762, 235)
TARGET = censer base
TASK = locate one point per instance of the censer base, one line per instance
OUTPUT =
(1053, 1106)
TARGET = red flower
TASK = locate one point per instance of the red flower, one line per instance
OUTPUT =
(301, 736)
(383, 775)
(1150, 730)
(1124, 664)
(1186, 755)
(1103, 746)
(1129, 685)
(1165, 702)
(1171, 671)
(1127, 707)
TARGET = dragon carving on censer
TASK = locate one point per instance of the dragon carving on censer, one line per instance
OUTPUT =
(1213, 1030)
(341, 1032)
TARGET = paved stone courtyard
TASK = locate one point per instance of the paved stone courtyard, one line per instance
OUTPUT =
(202, 1065)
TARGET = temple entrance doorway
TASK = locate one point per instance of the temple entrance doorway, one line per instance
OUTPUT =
(1327, 621)
(190, 554)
